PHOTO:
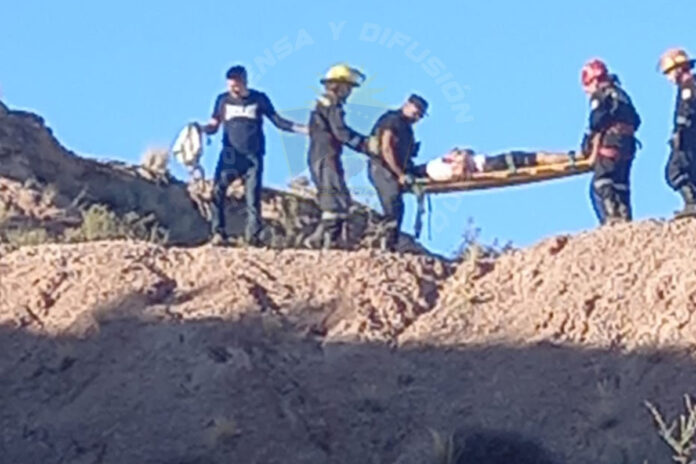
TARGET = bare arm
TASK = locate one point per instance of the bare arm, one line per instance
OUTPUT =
(388, 149)
(281, 123)
(288, 126)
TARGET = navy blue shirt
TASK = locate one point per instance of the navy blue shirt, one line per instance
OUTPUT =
(402, 130)
(242, 119)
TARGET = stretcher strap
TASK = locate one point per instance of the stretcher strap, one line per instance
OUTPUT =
(421, 197)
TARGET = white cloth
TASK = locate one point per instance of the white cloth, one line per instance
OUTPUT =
(188, 146)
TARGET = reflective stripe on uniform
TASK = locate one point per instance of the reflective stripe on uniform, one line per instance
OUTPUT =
(681, 179)
(599, 183)
(333, 215)
(622, 187)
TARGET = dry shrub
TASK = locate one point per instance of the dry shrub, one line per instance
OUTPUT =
(156, 160)
(680, 434)
(98, 223)
(25, 237)
(471, 247)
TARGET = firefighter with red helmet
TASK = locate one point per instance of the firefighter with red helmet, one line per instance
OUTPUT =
(681, 166)
(613, 121)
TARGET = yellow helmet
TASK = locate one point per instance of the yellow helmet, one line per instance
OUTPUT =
(344, 73)
(674, 58)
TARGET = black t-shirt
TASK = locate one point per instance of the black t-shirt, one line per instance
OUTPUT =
(242, 119)
(401, 127)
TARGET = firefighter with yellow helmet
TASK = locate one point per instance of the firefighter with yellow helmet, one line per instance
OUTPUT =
(677, 66)
(328, 133)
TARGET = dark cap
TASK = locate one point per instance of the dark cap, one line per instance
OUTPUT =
(236, 72)
(419, 102)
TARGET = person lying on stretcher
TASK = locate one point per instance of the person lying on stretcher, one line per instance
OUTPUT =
(459, 164)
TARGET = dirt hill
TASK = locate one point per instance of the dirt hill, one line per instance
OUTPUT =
(123, 351)
(131, 352)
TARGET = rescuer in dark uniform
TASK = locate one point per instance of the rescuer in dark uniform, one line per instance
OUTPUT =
(681, 166)
(391, 171)
(328, 133)
(614, 120)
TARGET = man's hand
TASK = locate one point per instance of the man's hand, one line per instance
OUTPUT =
(406, 180)
(300, 129)
(210, 127)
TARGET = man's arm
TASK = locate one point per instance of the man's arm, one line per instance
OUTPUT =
(211, 126)
(683, 118)
(387, 145)
(280, 122)
(343, 133)
(686, 113)
(213, 123)
(288, 126)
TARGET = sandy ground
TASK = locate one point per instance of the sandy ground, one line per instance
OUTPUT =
(119, 352)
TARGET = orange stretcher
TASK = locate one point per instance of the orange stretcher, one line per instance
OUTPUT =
(564, 164)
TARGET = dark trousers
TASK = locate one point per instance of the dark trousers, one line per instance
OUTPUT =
(333, 194)
(391, 199)
(232, 165)
(611, 183)
(681, 168)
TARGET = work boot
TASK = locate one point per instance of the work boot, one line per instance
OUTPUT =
(318, 239)
(688, 193)
(336, 236)
(255, 241)
(218, 240)
(390, 237)
(624, 212)
(611, 211)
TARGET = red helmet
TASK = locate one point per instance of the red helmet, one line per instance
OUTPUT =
(594, 70)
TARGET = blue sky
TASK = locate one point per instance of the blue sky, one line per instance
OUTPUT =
(113, 78)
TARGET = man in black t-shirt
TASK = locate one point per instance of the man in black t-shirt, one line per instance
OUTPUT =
(390, 172)
(240, 111)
